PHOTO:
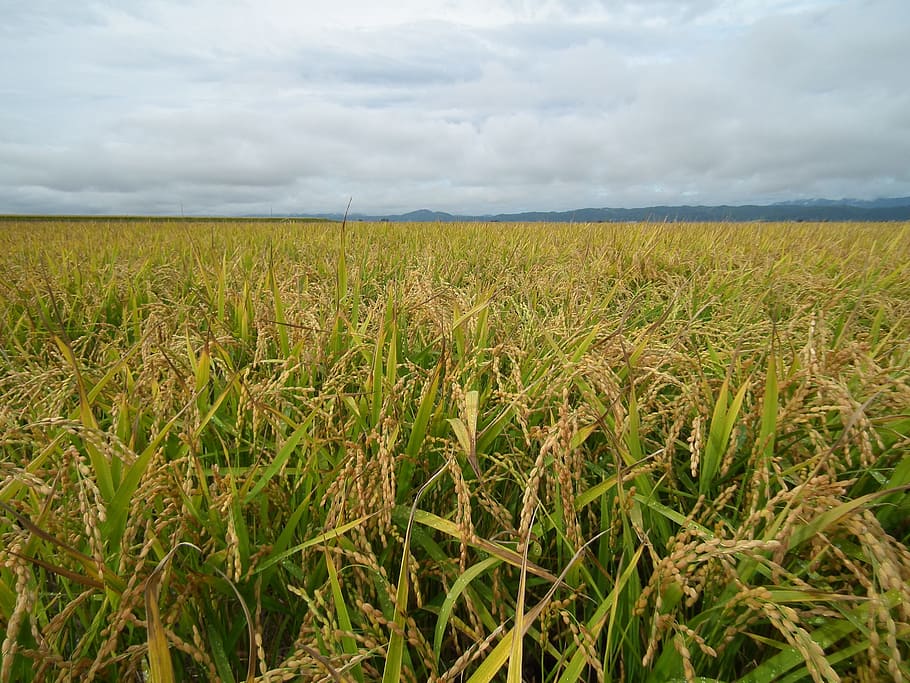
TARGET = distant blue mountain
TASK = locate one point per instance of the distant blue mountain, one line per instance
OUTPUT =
(890, 209)
(889, 203)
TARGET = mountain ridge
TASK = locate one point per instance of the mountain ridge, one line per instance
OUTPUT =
(885, 209)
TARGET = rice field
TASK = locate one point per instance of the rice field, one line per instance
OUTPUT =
(282, 451)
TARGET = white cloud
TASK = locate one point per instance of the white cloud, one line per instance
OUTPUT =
(462, 106)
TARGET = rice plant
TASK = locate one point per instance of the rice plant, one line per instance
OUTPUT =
(274, 451)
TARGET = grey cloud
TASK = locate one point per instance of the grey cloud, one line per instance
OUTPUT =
(603, 103)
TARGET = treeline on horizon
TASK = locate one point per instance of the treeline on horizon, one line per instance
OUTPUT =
(893, 211)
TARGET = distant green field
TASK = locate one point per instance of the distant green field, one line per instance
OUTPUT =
(250, 450)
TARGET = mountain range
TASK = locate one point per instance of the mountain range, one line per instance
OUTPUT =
(887, 209)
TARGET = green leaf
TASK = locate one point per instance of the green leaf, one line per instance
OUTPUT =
(596, 623)
(828, 517)
(419, 428)
(348, 644)
(321, 538)
(100, 465)
(280, 320)
(461, 433)
(489, 433)
(516, 653)
(280, 459)
(719, 436)
(493, 662)
(769, 410)
(119, 507)
(451, 529)
(458, 587)
(377, 376)
(219, 654)
(395, 652)
(825, 636)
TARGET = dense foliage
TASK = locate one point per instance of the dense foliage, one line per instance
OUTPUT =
(288, 451)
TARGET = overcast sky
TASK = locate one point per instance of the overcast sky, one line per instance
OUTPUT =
(474, 107)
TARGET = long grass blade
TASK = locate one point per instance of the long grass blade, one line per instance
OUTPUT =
(395, 652)
(516, 654)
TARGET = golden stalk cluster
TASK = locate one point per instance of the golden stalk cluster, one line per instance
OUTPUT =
(275, 451)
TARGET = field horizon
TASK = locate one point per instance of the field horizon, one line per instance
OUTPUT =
(882, 209)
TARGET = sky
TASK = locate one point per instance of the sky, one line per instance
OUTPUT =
(219, 107)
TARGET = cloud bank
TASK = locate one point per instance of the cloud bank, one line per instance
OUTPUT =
(470, 107)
